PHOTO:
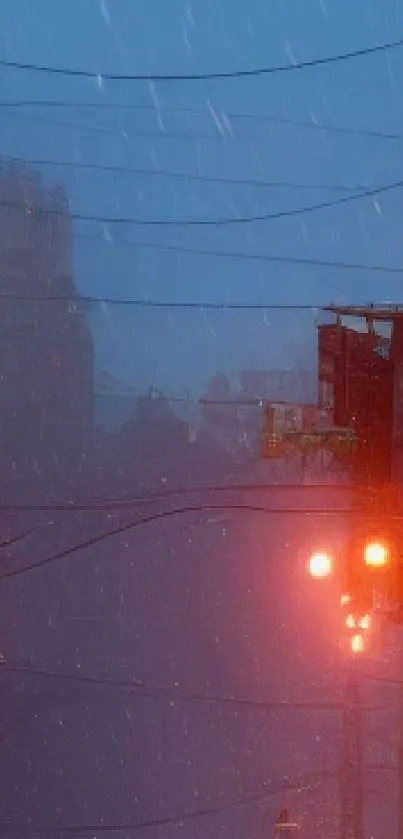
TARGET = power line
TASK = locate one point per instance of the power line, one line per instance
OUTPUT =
(160, 304)
(243, 255)
(18, 538)
(258, 402)
(100, 129)
(165, 692)
(178, 694)
(219, 222)
(230, 74)
(237, 402)
(166, 514)
(161, 173)
(257, 795)
(102, 504)
(300, 123)
(164, 304)
(122, 133)
(384, 680)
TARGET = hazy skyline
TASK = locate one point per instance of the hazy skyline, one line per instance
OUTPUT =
(175, 349)
(202, 593)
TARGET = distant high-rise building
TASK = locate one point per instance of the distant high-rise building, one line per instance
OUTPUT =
(46, 347)
(36, 238)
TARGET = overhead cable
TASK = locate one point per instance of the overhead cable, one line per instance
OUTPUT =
(218, 222)
(177, 694)
(242, 255)
(303, 782)
(120, 132)
(163, 304)
(100, 76)
(185, 176)
(128, 826)
(385, 680)
(314, 125)
(12, 540)
(108, 504)
(166, 514)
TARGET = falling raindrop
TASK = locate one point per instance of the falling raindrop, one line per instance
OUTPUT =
(290, 52)
(219, 125)
(105, 12)
(189, 15)
(324, 8)
(377, 207)
(106, 234)
(186, 41)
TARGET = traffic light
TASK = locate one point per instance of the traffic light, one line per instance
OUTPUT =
(376, 555)
(365, 570)
(357, 643)
(320, 565)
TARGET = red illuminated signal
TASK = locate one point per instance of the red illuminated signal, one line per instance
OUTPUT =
(357, 643)
(376, 555)
(320, 565)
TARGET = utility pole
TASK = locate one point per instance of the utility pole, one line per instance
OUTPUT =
(351, 769)
(359, 416)
(400, 751)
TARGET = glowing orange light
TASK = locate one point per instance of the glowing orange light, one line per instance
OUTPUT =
(365, 622)
(376, 555)
(345, 599)
(320, 565)
(357, 643)
(350, 621)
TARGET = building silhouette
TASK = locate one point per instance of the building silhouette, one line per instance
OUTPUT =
(46, 348)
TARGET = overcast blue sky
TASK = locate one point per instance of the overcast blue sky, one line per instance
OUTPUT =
(174, 349)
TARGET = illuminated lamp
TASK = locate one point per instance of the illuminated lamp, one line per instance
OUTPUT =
(376, 555)
(357, 643)
(320, 565)
(365, 622)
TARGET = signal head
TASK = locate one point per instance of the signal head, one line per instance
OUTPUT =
(376, 555)
(320, 565)
(357, 643)
(365, 622)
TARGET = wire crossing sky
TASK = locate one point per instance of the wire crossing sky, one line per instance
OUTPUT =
(189, 77)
